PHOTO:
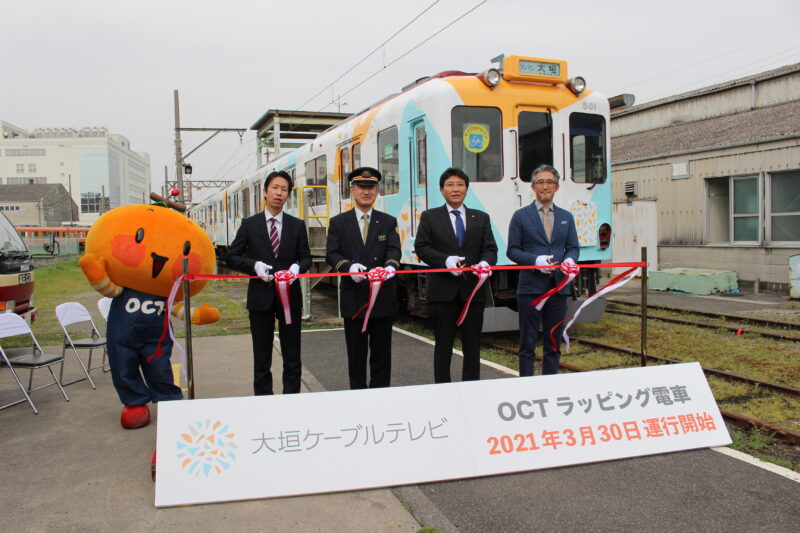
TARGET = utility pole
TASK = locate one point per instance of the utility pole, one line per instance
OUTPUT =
(178, 155)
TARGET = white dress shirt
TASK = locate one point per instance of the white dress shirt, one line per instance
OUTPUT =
(359, 213)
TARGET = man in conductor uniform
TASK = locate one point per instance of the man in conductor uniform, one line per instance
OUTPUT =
(360, 240)
(541, 234)
(272, 241)
(450, 236)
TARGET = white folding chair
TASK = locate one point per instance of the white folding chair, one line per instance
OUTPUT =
(104, 306)
(12, 325)
(71, 313)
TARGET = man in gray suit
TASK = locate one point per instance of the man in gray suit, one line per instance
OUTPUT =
(541, 234)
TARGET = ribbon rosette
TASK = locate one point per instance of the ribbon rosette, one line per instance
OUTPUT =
(283, 279)
(570, 270)
(376, 277)
(482, 272)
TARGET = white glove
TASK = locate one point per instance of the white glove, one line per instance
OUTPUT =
(294, 269)
(262, 271)
(485, 264)
(568, 261)
(390, 269)
(357, 267)
(452, 262)
(543, 260)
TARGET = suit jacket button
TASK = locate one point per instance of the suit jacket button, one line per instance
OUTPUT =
(374, 258)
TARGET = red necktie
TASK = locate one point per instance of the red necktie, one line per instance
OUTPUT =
(273, 237)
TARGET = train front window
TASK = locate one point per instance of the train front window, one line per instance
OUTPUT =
(587, 142)
(477, 139)
(535, 142)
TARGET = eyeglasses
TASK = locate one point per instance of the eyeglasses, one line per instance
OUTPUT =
(545, 182)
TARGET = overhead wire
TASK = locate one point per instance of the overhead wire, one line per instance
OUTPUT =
(729, 52)
(362, 82)
(761, 60)
(348, 71)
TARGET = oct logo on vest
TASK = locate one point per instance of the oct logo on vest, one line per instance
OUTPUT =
(147, 307)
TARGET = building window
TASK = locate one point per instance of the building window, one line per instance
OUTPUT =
(785, 206)
(21, 168)
(27, 181)
(389, 161)
(92, 202)
(32, 168)
(738, 212)
(18, 152)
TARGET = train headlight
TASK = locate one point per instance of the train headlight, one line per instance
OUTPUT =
(576, 84)
(491, 77)
(8, 306)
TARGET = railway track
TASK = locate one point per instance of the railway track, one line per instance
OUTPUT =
(776, 324)
(706, 325)
(783, 434)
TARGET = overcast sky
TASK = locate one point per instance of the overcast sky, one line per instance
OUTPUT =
(111, 63)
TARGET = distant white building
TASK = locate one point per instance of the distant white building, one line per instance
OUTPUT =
(98, 168)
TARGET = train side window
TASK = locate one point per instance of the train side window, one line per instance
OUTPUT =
(292, 195)
(357, 155)
(317, 174)
(389, 161)
(477, 136)
(587, 142)
(535, 142)
(246, 202)
(422, 155)
(344, 166)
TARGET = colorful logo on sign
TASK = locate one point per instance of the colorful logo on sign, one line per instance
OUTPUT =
(206, 448)
(476, 138)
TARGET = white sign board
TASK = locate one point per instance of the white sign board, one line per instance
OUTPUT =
(260, 447)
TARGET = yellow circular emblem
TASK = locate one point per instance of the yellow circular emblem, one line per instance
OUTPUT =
(476, 138)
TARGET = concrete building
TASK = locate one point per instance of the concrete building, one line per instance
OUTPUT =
(715, 174)
(38, 204)
(98, 168)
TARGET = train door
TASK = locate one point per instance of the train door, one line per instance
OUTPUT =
(535, 134)
(344, 169)
(418, 186)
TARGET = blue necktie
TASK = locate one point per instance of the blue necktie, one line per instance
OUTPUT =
(459, 227)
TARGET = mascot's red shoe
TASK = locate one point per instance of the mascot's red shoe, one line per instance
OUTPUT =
(135, 416)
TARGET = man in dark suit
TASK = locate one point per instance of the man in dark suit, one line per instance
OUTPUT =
(541, 234)
(448, 237)
(272, 240)
(359, 240)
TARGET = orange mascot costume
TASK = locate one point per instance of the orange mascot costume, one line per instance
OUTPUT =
(134, 254)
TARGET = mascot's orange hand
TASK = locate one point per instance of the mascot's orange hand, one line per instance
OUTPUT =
(205, 314)
(93, 267)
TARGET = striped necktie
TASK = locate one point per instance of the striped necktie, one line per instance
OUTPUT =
(274, 237)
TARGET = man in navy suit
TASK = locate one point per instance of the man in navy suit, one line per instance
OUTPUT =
(452, 236)
(541, 234)
(360, 240)
(272, 240)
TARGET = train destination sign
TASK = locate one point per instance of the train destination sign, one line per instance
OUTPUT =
(539, 68)
(534, 69)
(242, 448)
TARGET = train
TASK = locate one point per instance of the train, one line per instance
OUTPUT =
(497, 125)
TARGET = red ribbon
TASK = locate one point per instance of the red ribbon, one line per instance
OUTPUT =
(483, 272)
(284, 278)
(570, 270)
(376, 277)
